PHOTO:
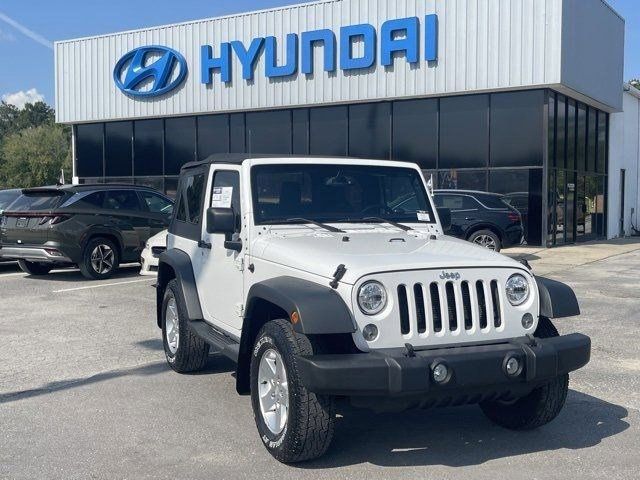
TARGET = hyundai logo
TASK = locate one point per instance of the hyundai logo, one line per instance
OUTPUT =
(150, 71)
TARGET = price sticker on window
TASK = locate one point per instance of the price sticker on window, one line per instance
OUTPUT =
(221, 197)
(423, 216)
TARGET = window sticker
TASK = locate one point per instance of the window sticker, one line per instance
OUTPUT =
(221, 197)
(423, 216)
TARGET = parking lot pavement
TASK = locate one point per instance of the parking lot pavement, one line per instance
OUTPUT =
(85, 393)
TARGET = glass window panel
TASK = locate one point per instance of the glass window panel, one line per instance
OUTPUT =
(462, 179)
(236, 133)
(118, 149)
(559, 206)
(213, 135)
(269, 132)
(600, 207)
(180, 143)
(602, 142)
(561, 131)
(464, 131)
(228, 178)
(151, 182)
(328, 127)
(591, 206)
(190, 205)
(147, 146)
(370, 130)
(455, 202)
(592, 145)
(122, 200)
(571, 134)
(581, 137)
(581, 210)
(552, 128)
(89, 150)
(415, 132)
(156, 203)
(301, 131)
(569, 212)
(551, 210)
(171, 187)
(516, 129)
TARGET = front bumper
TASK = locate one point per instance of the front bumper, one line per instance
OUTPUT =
(473, 370)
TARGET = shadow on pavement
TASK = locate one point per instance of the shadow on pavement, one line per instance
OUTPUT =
(463, 436)
(74, 275)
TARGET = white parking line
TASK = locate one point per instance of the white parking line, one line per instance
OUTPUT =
(103, 285)
(16, 274)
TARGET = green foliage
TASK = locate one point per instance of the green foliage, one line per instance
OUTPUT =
(33, 148)
(34, 156)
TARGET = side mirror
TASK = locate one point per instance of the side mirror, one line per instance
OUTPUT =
(445, 218)
(221, 220)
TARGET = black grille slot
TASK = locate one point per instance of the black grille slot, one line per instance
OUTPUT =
(495, 297)
(404, 310)
(466, 306)
(420, 313)
(451, 306)
(482, 304)
(435, 307)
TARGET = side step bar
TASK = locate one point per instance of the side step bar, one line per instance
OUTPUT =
(218, 340)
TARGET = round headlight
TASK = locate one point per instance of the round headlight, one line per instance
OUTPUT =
(517, 289)
(372, 298)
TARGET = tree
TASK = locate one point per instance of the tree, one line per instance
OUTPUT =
(635, 83)
(34, 156)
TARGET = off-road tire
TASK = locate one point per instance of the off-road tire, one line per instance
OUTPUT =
(85, 266)
(488, 233)
(34, 268)
(192, 352)
(310, 425)
(540, 406)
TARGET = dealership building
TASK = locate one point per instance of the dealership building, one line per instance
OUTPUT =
(519, 97)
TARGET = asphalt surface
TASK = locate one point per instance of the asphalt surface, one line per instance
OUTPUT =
(85, 393)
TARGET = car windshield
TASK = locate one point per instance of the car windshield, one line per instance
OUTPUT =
(338, 194)
(38, 201)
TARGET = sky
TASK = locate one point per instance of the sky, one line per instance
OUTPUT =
(28, 28)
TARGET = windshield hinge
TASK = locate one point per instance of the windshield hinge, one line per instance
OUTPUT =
(340, 271)
(240, 263)
(240, 309)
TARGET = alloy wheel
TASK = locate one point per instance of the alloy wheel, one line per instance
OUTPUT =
(485, 241)
(273, 390)
(102, 259)
(172, 325)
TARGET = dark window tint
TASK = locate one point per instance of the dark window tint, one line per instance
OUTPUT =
(370, 130)
(180, 138)
(456, 202)
(463, 179)
(7, 197)
(148, 157)
(156, 203)
(38, 201)
(269, 132)
(561, 131)
(592, 144)
(415, 132)
(122, 200)
(152, 182)
(571, 134)
(581, 138)
(171, 187)
(236, 133)
(92, 200)
(301, 131)
(491, 201)
(213, 135)
(552, 128)
(229, 179)
(464, 131)
(118, 149)
(602, 142)
(328, 127)
(90, 150)
(190, 206)
(516, 128)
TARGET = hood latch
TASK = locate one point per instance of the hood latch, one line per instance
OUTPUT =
(340, 271)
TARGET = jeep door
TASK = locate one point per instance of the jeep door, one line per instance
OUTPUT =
(219, 271)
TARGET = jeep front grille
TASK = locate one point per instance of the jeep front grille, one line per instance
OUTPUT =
(449, 307)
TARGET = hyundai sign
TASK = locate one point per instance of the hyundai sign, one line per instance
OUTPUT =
(155, 70)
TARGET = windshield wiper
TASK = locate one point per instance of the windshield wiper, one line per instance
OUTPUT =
(390, 222)
(317, 224)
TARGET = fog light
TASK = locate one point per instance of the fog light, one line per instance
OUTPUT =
(53, 252)
(440, 373)
(512, 366)
(370, 332)
(527, 321)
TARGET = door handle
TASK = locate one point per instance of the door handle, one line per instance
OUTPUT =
(203, 244)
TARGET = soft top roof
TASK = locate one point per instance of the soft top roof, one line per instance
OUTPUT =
(240, 158)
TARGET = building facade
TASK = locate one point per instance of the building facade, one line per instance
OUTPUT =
(493, 95)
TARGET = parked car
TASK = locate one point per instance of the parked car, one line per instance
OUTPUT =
(96, 227)
(154, 247)
(7, 197)
(308, 275)
(485, 219)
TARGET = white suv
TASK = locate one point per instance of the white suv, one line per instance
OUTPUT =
(333, 278)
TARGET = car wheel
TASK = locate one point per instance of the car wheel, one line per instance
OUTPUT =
(537, 408)
(184, 350)
(294, 424)
(100, 259)
(486, 239)
(34, 268)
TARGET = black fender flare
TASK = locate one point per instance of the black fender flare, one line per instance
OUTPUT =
(175, 263)
(557, 300)
(321, 311)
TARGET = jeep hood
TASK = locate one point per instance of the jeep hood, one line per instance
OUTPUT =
(373, 252)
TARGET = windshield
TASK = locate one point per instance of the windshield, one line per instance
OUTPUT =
(338, 194)
(36, 202)
(7, 197)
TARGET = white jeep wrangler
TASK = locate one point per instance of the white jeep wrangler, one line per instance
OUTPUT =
(333, 278)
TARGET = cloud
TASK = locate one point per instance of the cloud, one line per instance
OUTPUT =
(36, 37)
(21, 98)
